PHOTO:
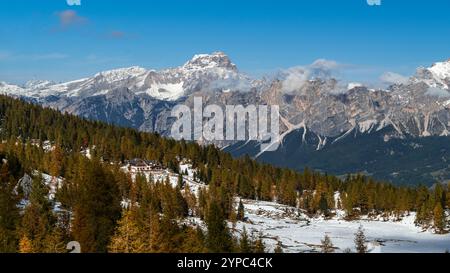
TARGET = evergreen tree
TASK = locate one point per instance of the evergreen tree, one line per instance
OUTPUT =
(259, 246)
(323, 205)
(244, 242)
(38, 219)
(193, 241)
(97, 207)
(154, 232)
(180, 181)
(439, 218)
(9, 212)
(360, 241)
(25, 245)
(56, 161)
(245, 187)
(240, 212)
(128, 237)
(218, 238)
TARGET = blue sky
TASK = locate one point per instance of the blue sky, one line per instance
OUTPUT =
(48, 39)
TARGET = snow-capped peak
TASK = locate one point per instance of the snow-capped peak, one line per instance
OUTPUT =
(436, 76)
(205, 61)
(441, 70)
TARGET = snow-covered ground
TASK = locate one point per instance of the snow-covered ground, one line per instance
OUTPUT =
(299, 233)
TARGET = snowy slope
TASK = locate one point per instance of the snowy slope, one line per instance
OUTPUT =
(441, 70)
(299, 233)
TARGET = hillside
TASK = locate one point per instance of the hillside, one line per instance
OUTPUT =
(105, 208)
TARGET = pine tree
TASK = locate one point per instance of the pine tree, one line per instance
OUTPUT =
(25, 245)
(244, 242)
(9, 212)
(193, 241)
(348, 204)
(56, 159)
(439, 218)
(153, 225)
(327, 245)
(127, 238)
(218, 238)
(97, 207)
(360, 241)
(38, 219)
(241, 211)
(191, 201)
(171, 236)
(259, 246)
(180, 181)
(323, 205)
(245, 188)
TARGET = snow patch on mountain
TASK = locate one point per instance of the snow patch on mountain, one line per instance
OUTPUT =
(166, 91)
(353, 85)
(441, 70)
(11, 89)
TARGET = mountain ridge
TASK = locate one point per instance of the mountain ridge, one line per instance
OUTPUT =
(308, 97)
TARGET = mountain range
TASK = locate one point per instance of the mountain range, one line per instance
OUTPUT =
(398, 134)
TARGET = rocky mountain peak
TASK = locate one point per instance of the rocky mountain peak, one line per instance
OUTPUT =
(441, 69)
(215, 60)
(436, 76)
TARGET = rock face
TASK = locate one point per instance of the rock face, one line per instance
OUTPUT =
(319, 116)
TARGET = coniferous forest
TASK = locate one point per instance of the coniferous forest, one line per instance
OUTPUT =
(105, 210)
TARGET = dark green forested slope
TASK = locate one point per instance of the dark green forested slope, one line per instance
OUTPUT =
(88, 207)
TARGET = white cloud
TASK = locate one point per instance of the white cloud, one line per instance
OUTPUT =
(295, 77)
(393, 78)
(324, 65)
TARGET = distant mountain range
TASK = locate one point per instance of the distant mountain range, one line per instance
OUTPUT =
(400, 133)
